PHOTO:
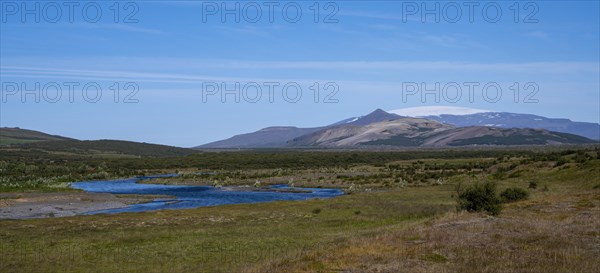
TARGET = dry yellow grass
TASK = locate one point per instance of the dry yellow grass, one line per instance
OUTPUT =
(550, 234)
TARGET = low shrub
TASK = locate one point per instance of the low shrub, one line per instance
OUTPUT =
(480, 197)
(513, 194)
(533, 184)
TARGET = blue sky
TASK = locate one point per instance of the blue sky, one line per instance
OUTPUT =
(363, 55)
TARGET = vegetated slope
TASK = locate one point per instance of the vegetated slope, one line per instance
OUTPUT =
(351, 135)
(278, 136)
(514, 136)
(268, 137)
(413, 132)
(512, 120)
(17, 136)
(480, 135)
(110, 146)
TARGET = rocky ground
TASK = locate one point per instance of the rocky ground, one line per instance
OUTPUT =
(61, 204)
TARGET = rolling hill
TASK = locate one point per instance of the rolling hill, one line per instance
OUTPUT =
(109, 147)
(480, 135)
(18, 138)
(17, 135)
(276, 136)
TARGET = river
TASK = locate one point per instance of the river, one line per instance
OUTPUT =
(185, 197)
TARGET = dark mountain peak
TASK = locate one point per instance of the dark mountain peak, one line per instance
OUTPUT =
(378, 112)
(375, 116)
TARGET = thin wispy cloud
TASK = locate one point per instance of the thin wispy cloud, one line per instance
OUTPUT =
(233, 71)
(166, 64)
(543, 67)
(373, 15)
(112, 75)
(383, 26)
(122, 27)
(537, 34)
(450, 40)
(263, 31)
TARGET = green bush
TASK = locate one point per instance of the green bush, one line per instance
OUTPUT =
(513, 194)
(561, 161)
(480, 197)
(533, 184)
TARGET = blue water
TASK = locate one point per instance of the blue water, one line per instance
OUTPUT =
(192, 196)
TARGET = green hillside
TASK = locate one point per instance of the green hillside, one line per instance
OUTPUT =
(24, 139)
(9, 136)
(508, 138)
(536, 138)
(117, 147)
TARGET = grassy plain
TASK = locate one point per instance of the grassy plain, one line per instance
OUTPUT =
(400, 217)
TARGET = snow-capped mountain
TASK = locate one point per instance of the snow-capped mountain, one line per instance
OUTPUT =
(512, 120)
(463, 117)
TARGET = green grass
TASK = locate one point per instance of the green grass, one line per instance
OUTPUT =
(11, 136)
(110, 146)
(4, 140)
(553, 231)
(215, 239)
(256, 236)
(536, 138)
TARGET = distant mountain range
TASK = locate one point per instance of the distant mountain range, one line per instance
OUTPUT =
(511, 120)
(409, 127)
(427, 127)
(463, 117)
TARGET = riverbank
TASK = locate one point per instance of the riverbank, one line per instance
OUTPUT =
(62, 204)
